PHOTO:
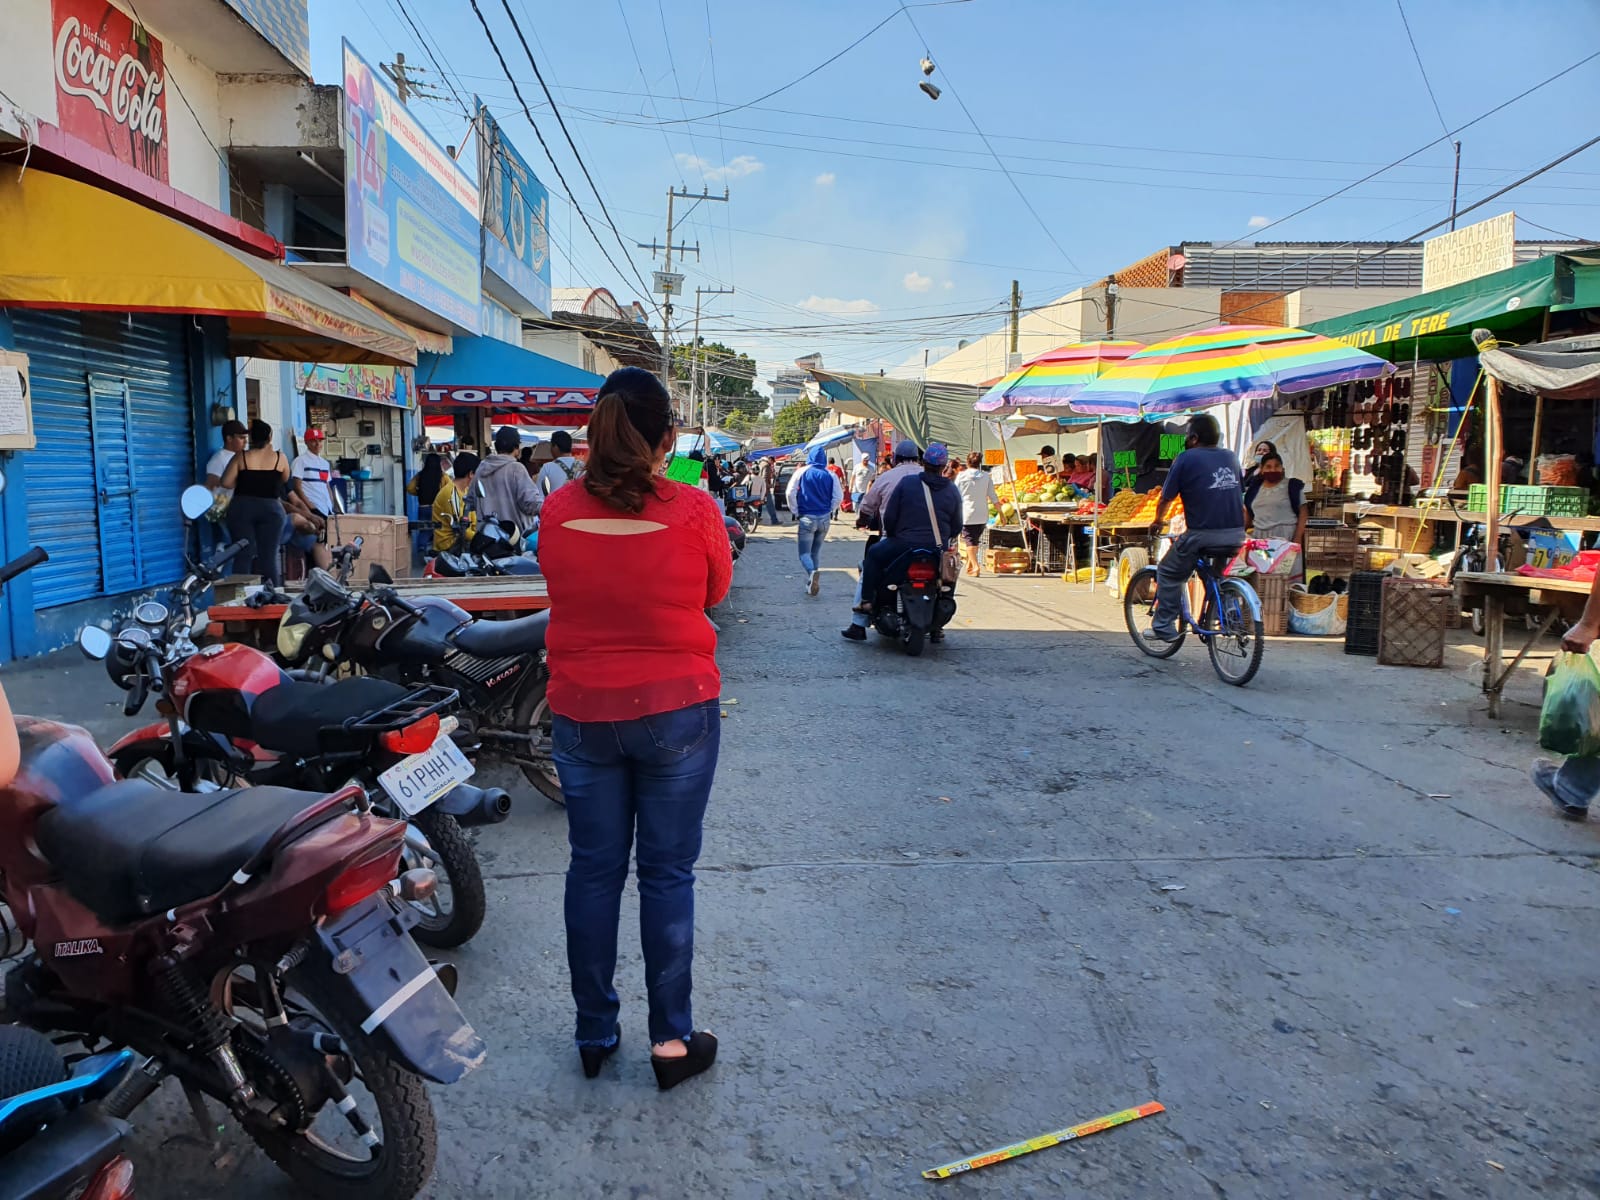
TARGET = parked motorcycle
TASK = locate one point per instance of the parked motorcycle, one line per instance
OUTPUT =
(742, 509)
(254, 944)
(54, 1140)
(736, 536)
(232, 716)
(497, 667)
(496, 549)
(914, 605)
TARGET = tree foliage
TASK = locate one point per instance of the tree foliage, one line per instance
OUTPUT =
(728, 377)
(797, 422)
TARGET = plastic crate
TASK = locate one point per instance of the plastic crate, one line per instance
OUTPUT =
(1532, 500)
(1477, 497)
(1366, 600)
(1274, 593)
(1331, 549)
(1359, 639)
(1415, 615)
(1050, 547)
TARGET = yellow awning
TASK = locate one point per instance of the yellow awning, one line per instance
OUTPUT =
(65, 244)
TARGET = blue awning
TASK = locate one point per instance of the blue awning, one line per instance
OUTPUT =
(776, 451)
(831, 437)
(486, 372)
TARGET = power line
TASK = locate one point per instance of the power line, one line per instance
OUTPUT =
(627, 27)
(583, 166)
(428, 50)
(1574, 237)
(1422, 70)
(546, 148)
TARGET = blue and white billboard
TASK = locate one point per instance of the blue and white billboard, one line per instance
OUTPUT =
(516, 220)
(411, 212)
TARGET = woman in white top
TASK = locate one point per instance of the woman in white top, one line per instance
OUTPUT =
(977, 494)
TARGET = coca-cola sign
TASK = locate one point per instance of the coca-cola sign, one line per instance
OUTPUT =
(111, 83)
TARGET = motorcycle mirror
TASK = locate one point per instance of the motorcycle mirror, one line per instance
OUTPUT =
(196, 502)
(357, 542)
(338, 500)
(94, 642)
(378, 576)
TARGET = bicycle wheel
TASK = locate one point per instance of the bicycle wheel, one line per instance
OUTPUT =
(1138, 610)
(1236, 639)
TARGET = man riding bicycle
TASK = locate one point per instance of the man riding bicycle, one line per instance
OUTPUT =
(1207, 478)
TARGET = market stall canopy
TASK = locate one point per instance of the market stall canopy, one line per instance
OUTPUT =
(1222, 364)
(70, 245)
(484, 372)
(1054, 378)
(776, 451)
(712, 441)
(831, 437)
(923, 410)
(1437, 326)
(1568, 369)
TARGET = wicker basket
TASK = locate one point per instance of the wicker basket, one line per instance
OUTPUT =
(1274, 593)
(1412, 627)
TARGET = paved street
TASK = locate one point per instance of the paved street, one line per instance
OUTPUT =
(1033, 878)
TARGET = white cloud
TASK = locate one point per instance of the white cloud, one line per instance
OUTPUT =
(825, 179)
(833, 305)
(734, 168)
(1259, 222)
(948, 285)
(916, 281)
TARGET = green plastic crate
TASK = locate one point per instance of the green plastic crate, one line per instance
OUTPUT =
(1477, 497)
(1531, 500)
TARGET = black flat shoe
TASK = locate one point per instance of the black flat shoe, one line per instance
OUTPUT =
(670, 1072)
(594, 1056)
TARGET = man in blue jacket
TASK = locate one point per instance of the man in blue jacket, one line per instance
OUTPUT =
(906, 526)
(814, 493)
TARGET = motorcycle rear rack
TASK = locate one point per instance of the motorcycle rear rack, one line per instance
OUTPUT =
(420, 702)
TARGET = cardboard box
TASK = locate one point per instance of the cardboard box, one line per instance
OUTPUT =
(384, 540)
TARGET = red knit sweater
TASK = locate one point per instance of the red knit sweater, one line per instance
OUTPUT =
(628, 632)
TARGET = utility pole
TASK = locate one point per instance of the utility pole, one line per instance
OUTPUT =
(695, 365)
(1111, 307)
(400, 74)
(1455, 187)
(671, 287)
(1016, 316)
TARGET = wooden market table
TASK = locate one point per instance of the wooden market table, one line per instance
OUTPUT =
(1546, 598)
(492, 595)
(1406, 520)
(1054, 513)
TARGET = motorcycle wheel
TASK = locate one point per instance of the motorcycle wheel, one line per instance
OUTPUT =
(750, 518)
(533, 713)
(912, 639)
(456, 911)
(324, 1160)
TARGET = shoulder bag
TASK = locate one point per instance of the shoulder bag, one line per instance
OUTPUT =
(949, 560)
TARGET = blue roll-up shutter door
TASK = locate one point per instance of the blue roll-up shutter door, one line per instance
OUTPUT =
(112, 414)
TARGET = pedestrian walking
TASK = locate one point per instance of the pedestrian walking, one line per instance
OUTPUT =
(508, 491)
(257, 477)
(977, 493)
(814, 495)
(769, 474)
(563, 468)
(860, 480)
(634, 692)
(760, 487)
(838, 473)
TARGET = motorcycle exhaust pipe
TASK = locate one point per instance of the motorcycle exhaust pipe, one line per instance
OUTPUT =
(472, 806)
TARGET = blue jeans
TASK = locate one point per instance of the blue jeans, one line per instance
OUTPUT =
(812, 533)
(651, 775)
(1578, 781)
(770, 506)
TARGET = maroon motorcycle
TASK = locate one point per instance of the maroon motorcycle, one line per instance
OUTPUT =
(254, 944)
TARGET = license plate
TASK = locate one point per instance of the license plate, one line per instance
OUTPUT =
(419, 779)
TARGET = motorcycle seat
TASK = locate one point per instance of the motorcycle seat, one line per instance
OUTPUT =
(502, 639)
(298, 717)
(134, 848)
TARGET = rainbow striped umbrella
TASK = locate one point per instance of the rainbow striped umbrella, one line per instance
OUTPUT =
(1223, 363)
(1052, 379)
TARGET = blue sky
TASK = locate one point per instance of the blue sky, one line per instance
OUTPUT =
(869, 222)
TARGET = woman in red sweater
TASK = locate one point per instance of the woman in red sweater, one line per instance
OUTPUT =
(633, 560)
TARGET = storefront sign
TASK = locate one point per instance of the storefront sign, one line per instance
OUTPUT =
(516, 216)
(1467, 253)
(502, 397)
(411, 213)
(370, 385)
(111, 84)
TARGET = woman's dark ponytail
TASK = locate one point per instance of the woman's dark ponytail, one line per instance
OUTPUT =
(631, 419)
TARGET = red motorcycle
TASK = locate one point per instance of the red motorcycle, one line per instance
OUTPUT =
(232, 716)
(254, 944)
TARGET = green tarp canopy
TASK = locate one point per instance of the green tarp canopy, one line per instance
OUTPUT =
(1437, 326)
(923, 410)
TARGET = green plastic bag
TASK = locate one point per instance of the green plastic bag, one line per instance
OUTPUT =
(1569, 721)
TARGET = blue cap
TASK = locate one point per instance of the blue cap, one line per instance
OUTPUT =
(905, 449)
(935, 455)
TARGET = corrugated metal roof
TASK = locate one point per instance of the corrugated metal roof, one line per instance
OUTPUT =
(1287, 266)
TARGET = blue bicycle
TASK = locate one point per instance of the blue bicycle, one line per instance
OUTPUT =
(1229, 622)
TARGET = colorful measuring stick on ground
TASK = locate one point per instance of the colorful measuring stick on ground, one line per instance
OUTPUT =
(1043, 1141)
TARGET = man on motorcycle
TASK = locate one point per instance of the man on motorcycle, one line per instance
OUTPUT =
(869, 515)
(907, 527)
(1208, 478)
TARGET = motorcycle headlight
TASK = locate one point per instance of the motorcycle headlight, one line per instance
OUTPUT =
(292, 640)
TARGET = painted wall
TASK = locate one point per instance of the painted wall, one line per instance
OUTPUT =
(570, 347)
